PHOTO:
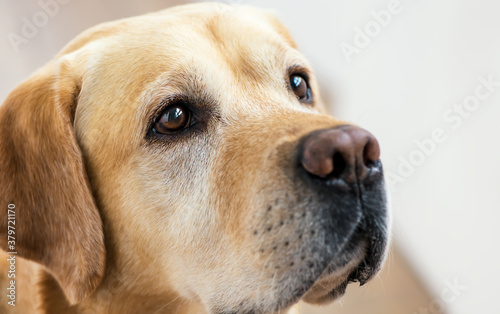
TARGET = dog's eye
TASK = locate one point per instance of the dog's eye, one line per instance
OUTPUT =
(173, 119)
(300, 88)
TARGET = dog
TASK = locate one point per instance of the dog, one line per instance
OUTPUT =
(184, 162)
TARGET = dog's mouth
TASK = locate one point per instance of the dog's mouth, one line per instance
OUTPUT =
(358, 262)
(332, 283)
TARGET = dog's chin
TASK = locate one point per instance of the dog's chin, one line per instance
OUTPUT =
(332, 283)
(354, 266)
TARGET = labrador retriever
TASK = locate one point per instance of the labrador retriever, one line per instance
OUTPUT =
(183, 162)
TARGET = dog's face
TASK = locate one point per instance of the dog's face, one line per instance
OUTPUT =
(203, 137)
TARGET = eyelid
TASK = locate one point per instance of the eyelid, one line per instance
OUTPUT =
(299, 70)
(165, 103)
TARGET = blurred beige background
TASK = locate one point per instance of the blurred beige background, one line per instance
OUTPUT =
(422, 75)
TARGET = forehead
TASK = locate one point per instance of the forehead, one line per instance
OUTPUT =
(239, 47)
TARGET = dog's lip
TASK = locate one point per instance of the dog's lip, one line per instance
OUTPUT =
(354, 264)
(333, 281)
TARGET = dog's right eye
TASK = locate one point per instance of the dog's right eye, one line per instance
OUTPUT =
(173, 119)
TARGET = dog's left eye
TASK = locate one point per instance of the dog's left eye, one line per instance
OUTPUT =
(175, 118)
(300, 88)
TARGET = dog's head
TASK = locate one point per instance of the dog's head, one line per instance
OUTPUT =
(197, 135)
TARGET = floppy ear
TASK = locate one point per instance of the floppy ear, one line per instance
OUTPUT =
(42, 174)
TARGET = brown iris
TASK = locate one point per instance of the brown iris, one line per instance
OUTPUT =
(300, 87)
(173, 119)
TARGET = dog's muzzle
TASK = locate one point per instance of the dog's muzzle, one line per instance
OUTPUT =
(341, 166)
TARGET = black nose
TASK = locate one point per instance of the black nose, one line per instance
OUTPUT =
(345, 152)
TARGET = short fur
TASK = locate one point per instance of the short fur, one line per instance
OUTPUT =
(111, 218)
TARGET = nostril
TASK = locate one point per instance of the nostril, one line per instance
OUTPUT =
(339, 165)
(371, 152)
